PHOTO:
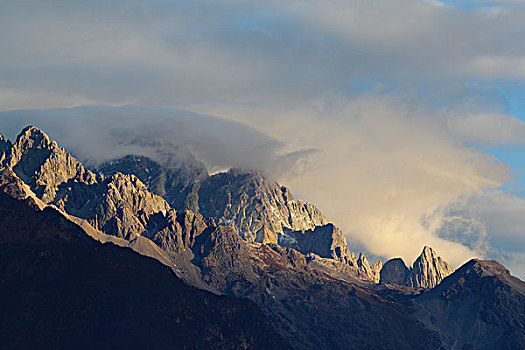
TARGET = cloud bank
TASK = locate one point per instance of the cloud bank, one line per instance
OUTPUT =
(379, 112)
(59, 54)
(97, 133)
(381, 168)
(388, 177)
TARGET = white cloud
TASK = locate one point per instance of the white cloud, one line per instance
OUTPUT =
(297, 52)
(489, 66)
(491, 222)
(380, 168)
(295, 71)
(488, 129)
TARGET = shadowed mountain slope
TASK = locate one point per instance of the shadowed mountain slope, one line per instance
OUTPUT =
(61, 289)
(479, 306)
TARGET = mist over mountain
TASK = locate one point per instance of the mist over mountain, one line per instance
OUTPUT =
(170, 136)
(325, 173)
(305, 174)
(240, 235)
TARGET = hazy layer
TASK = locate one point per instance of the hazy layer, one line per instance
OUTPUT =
(387, 178)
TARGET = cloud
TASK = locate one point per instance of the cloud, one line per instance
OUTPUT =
(490, 222)
(394, 180)
(383, 164)
(97, 133)
(510, 67)
(488, 129)
(362, 107)
(56, 54)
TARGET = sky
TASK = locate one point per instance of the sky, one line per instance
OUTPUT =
(403, 120)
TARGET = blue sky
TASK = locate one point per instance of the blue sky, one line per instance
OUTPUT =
(387, 112)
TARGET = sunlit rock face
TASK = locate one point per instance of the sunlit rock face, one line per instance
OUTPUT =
(44, 166)
(258, 208)
(5, 146)
(119, 205)
(371, 272)
(428, 271)
(177, 184)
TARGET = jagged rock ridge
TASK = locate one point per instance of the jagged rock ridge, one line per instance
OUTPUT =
(178, 185)
(428, 270)
(42, 165)
(60, 289)
(259, 209)
(290, 287)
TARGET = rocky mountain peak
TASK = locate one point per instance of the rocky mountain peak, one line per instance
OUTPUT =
(427, 271)
(5, 146)
(371, 272)
(33, 136)
(362, 260)
(395, 271)
(41, 164)
(479, 306)
(176, 184)
(484, 268)
(246, 199)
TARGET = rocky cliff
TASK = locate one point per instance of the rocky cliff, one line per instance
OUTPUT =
(428, 271)
(298, 270)
(395, 271)
(5, 147)
(178, 185)
(215, 257)
(259, 209)
(44, 166)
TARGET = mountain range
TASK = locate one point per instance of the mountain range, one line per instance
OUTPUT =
(142, 253)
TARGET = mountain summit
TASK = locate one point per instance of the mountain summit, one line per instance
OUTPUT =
(235, 234)
(259, 209)
(479, 306)
(428, 270)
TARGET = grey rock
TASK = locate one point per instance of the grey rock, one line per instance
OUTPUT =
(395, 271)
(119, 205)
(5, 147)
(376, 269)
(327, 241)
(42, 165)
(176, 232)
(371, 273)
(177, 183)
(429, 269)
(258, 208)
